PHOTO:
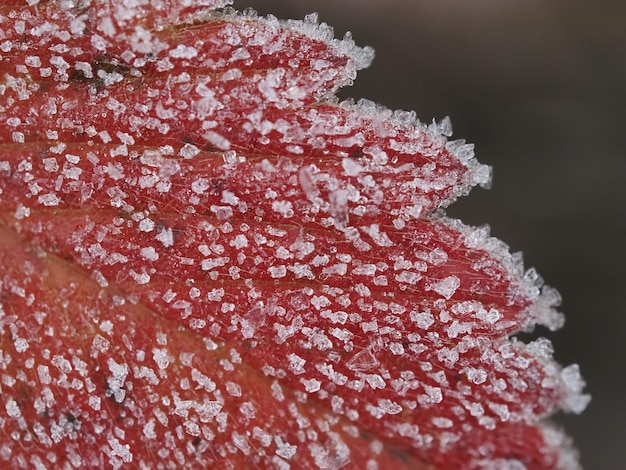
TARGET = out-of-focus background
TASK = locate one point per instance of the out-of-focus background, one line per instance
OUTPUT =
(540, 88)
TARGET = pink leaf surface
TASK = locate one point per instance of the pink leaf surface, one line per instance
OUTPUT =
(209, 260)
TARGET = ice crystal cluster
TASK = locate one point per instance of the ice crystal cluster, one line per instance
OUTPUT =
(208, 261)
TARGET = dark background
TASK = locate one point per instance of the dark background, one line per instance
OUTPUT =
(540, 87)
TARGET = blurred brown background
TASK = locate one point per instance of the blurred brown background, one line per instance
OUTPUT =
(540, 88)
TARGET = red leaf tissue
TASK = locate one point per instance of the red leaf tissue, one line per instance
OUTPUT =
(208, 261)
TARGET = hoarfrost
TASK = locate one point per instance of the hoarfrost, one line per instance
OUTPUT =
(575, 401)
(423, 320)
(355, 189)
(446, 287)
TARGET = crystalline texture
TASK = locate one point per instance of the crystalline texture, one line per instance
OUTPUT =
(208, 259)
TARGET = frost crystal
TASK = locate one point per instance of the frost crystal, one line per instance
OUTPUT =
(209, 261)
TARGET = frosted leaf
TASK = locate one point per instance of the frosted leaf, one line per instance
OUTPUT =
(208, 260)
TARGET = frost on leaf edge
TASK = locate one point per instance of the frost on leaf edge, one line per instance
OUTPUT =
(477, 174)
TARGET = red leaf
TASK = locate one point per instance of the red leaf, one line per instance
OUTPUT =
(208, 260)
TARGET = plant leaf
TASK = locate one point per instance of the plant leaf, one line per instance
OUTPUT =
(209, 260)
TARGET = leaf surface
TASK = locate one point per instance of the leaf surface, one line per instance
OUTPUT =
(208, 260)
